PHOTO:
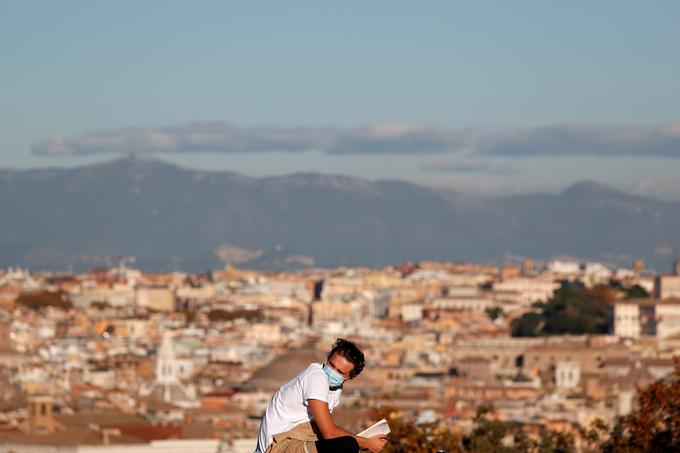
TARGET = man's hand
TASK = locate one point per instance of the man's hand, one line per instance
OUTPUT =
(376, 443)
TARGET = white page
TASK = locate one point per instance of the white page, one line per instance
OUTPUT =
(380, 427)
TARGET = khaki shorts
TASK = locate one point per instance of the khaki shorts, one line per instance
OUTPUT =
(300, 439)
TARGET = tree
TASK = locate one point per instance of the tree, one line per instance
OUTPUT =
(494, 312)
(593, 435)
(408, 437)
(494, 436)
(636, 292)
(571, 310)
(100, 305)
(555, 442)
(230, 315)
(488, 436)
(654, 424)
(44, 299)
(528, 325)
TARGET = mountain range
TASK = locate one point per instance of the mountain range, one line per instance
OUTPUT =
(173, 218)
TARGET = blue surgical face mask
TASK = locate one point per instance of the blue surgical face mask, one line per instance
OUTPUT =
(335, 379)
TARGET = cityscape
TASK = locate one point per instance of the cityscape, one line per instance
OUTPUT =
(146, 361)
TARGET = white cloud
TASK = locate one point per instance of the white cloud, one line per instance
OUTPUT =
(664, 250)
(672, 129)
(381, 138)
(570, 140)
(204, 136)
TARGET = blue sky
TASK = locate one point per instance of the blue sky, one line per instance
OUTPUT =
(486, 97)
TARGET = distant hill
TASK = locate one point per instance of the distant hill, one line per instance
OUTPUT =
(169, 217)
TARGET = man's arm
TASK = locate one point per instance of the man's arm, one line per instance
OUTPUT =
(329, 430)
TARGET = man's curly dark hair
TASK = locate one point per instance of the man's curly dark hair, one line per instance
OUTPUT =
(351, 352)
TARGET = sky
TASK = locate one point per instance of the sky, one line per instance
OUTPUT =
(484, 97)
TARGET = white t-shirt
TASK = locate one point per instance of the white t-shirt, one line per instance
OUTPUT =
(289, 406)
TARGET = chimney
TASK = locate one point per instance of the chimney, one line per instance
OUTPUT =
(40, 416)
(107, 433)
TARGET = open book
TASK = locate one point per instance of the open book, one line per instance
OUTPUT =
(377, 428)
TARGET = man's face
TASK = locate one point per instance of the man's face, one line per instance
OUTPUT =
(340, 364)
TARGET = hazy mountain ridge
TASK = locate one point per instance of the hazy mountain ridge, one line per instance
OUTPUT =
(171, 217)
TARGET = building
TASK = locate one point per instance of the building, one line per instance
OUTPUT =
(627, 319)
(9, 357)
(412, 312)
(159, 299)
(667, 286)
(647, 317)
(463, 303)
(525, 291)
(567, 374)
(167, 386)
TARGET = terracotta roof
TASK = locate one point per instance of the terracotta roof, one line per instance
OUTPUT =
(616, 361)
(74, 436)
(101, 418)
(638, 376)
(650, 302)
(220, 394)
(475, 359)
(283, 368)
(155, 403)
(198, 431)
(659, 362)
(353, 419)
(148, 432)
(361, 382)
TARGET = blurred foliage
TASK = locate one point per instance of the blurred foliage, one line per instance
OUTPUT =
(488, 436)
(654, 423)
(636, 292)
(495, 436)
(43, 299)
(100, 305)
(230, 315)
(570, 311)
(593, 436)
(652, 427)
(494, 312)
(409, 437)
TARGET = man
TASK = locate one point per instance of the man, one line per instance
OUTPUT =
(299, 418)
